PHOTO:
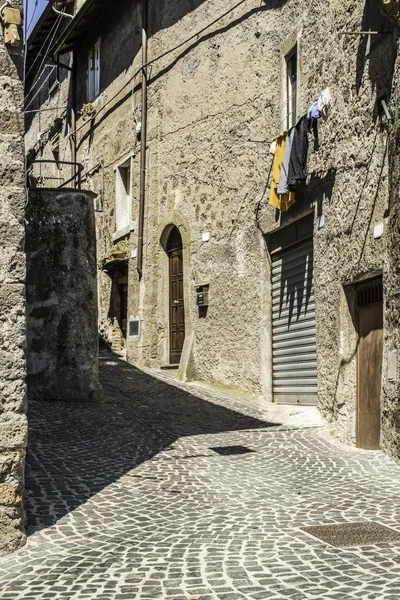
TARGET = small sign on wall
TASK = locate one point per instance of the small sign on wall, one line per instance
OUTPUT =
(392, 365)
(378, 231)
(134, 328)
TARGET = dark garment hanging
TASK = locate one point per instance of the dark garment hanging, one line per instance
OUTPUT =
(314, 128)
(298, 154)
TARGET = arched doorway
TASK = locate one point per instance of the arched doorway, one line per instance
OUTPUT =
(176, 303)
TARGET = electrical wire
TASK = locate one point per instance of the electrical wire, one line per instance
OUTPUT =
(54, 28)
(41, 87)
(159, 57)
(28, 112)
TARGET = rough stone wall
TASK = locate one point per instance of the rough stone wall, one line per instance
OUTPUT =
(13, 425)
(47, 116)
(391, 388)
(206, 104)
(61, 296)
(201, 171)
(113, 138)
(349, 185)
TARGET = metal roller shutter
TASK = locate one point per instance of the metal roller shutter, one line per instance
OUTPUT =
(294, 347)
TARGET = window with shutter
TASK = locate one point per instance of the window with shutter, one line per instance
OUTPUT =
(94, 72)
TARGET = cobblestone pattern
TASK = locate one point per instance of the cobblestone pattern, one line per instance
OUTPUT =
(127, 500)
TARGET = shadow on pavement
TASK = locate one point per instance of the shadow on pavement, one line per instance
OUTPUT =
(77, 449)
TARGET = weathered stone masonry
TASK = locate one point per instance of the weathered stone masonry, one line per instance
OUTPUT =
(61, 296)
(13, 424)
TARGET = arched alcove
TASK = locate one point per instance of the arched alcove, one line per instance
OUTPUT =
(174, 290)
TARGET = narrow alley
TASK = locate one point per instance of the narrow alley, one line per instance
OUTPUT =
(170, 491)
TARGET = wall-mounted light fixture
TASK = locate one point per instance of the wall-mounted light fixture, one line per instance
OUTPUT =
(11, 19)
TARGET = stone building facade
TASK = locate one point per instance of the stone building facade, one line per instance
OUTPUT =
(291, 306)
(13, 424)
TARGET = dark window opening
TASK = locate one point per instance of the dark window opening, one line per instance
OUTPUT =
(291, 88)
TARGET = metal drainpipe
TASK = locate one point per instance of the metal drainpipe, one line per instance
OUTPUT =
(73, 120)
(143, 140)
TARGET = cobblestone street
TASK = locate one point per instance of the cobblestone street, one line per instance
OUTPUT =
(171, 491)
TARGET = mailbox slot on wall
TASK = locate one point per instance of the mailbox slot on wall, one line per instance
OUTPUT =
(202, 295)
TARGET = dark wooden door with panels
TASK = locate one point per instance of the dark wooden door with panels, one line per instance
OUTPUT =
(369, 363)
(176, 300)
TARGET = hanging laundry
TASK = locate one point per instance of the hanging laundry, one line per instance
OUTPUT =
(314, 113)
(324, 103)
(298, 154)
(313, 126)
(280, 201)
(321, 106)
(283, 187)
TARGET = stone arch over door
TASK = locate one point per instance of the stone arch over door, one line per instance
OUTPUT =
(170, 221)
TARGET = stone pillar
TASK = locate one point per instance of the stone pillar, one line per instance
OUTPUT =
(13, 424)
(61, 296)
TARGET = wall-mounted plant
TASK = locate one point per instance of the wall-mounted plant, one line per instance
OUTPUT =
(88, 111)
(120, 247)
(119, 250)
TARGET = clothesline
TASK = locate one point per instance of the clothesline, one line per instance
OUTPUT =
(274, 139)
(290, 150)
(328, 98)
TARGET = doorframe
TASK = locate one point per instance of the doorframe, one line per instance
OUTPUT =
(170, 220)
(172, 255)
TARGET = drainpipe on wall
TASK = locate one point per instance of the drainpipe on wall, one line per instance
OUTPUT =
(72, 138)
(143, 139)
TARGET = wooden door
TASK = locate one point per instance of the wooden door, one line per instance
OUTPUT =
(177, 308)
(369, 364)
(176, 304)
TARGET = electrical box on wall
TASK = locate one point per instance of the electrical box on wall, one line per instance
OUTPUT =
(202, 295)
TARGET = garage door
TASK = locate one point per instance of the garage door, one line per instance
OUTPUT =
(293, 319)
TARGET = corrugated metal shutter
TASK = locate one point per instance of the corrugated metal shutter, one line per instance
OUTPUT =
(294, 348)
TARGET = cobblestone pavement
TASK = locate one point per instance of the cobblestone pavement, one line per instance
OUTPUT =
(150, 496)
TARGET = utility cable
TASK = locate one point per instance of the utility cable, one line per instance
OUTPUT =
(41, 87)
(54, 28)
(159, 57)
(28, 112)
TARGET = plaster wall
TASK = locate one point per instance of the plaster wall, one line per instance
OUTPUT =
(13, 425)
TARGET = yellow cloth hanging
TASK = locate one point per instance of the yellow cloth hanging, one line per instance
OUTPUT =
(280, 201)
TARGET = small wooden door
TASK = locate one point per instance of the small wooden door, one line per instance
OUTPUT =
(369, 364)
(177, 308)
